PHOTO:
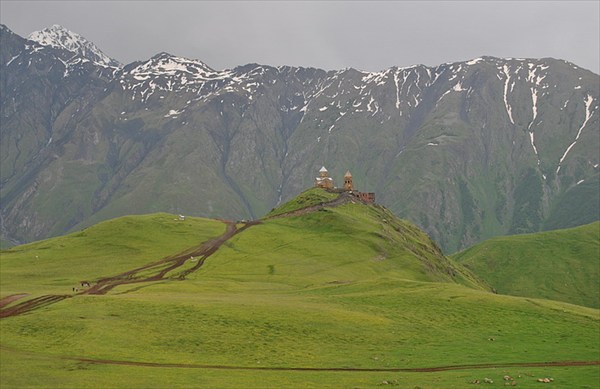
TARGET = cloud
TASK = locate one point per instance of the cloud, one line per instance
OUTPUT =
(371, 35)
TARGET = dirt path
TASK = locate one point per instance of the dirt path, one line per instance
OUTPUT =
(9, 299)
(32, 304)
(433, 369)
(163, 269)
(349, 369)
(346, 369)
(166, 267)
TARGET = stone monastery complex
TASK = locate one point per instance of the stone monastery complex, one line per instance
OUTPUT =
(326, 182)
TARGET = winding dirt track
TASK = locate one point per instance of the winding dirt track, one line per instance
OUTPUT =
(163, 269)
(9, 299)
(432, 369)
(32, 304)
(159, 270)
(338, 369)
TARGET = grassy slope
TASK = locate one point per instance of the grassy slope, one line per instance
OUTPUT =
(310, 197)
(560, 265)
(56, 265)
(336, 245)
(334, 288)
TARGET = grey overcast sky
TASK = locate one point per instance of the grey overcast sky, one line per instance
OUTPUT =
(366, 35)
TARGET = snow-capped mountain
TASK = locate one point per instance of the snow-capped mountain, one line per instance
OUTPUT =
(169, 73)
(59, 37)
(466, 150)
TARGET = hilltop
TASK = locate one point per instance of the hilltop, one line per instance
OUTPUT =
(327, 229)
(561, 265)
(326, 291)
(342, 239)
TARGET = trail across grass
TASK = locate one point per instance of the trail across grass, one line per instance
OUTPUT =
(167, 268)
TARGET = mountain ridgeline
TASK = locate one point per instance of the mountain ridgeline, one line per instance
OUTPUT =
(465, 150)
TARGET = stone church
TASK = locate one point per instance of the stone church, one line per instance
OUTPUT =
(326, 182)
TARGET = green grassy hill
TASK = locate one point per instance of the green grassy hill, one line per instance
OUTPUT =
(341, 295)
(346, 243)
(57, 265)
(561, 265)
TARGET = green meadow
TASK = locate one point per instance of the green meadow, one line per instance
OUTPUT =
(344, 297)
(55, 266)
(559, 265)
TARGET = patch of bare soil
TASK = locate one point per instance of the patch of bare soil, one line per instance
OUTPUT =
(9, 299)
(32, 304)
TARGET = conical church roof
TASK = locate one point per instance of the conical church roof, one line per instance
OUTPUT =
(348, 174)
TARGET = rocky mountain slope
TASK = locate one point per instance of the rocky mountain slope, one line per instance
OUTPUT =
(465, 150)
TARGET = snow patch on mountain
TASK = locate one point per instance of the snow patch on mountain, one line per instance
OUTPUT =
(474, 61)
(506, 90)
(173, 113)
(588, 114)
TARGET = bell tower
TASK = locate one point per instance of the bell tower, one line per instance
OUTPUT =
(348, 181)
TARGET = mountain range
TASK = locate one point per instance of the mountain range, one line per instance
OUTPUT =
(466, 150)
